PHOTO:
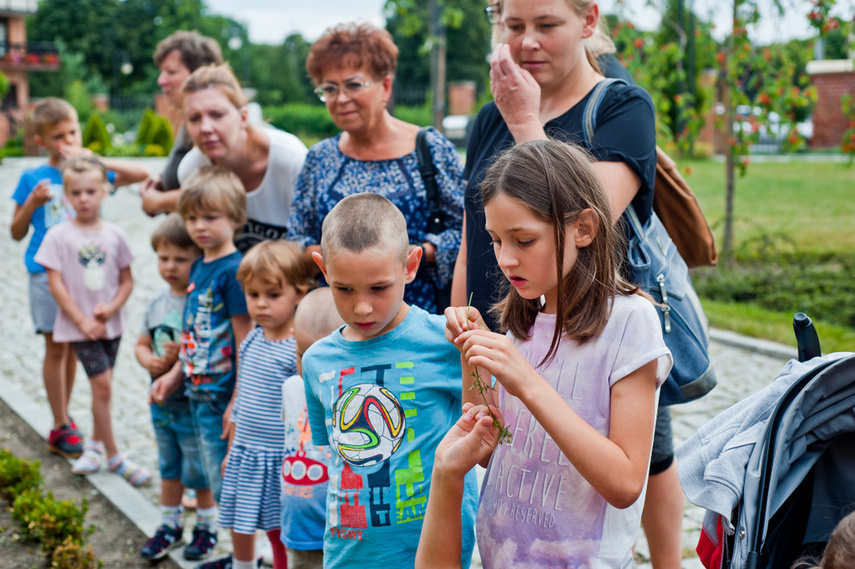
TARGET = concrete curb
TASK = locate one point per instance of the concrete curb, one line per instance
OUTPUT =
(128, 500)
(765, 347)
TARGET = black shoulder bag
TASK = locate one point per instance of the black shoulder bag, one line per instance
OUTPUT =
(436, 221)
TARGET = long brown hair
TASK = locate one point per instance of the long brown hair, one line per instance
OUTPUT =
(556, 182)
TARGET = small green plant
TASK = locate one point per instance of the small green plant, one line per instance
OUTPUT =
(95, 135)
(53, 522)
(17, 476)
(70, 555)
(482, 386)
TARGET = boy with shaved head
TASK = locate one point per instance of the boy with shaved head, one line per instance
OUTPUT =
(381, 391)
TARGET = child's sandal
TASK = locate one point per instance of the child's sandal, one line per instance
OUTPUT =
(132, 472)
(90, 461)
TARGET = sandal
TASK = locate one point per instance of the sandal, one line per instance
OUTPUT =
(132, 472)
(90, 461)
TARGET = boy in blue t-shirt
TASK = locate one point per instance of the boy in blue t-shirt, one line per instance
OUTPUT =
(213, 204)
(382, 391)
(39, 201)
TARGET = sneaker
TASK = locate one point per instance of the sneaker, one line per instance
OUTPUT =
(223, 563)
(65, 441)
(202, 544)
(165, 540)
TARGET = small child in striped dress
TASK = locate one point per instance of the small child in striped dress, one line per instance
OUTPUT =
(275, 276)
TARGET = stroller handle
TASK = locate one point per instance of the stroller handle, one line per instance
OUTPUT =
(807, 341)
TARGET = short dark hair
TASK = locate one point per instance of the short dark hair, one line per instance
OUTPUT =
(194, 49)
(353, 44)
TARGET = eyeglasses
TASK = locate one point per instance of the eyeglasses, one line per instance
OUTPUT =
(494, 13)
(330, 91)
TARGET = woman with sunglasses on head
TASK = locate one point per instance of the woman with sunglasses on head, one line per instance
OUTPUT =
(266, 160)
(353, 66)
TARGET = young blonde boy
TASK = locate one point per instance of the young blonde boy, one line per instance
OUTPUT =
(212, 203)
(157, 351)
(39, 201)
(304, 471)
(382, 391)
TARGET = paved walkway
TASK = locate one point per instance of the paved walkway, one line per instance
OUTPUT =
(740, 371)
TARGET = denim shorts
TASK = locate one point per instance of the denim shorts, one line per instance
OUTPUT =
(663, 442)
(43, 307)
(208, 425)
(177, 449)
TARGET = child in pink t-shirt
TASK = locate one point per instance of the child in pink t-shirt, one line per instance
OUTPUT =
(88, 262)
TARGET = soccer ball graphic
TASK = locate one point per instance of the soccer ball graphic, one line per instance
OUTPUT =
(368, 424)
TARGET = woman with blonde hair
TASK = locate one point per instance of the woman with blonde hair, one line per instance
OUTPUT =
(266, 160)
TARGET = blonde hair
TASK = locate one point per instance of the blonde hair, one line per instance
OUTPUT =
(51, 111)
(317, 316)
(215, 76)
(556, 182)
(211, 188)
(277, 263)
(82, 164)
(173, 230)
(840, 550)
(365, 221)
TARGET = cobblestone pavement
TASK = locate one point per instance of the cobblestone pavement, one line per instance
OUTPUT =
(741, 372)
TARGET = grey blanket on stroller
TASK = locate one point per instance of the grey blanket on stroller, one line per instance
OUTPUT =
(720, 465)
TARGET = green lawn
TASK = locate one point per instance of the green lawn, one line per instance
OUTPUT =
(813, 204)
(804, 214)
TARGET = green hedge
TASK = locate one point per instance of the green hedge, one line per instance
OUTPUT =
(312, 121)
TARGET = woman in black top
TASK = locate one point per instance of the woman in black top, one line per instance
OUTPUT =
(541, 78)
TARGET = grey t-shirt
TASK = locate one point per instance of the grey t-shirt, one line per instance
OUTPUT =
(164, 315)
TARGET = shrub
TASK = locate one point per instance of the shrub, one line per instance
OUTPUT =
(161, 135)
(145, 127)
(50, 521)
(420, 116)
(17, 476)
(95, 135)
(302, 119)
(70, 555)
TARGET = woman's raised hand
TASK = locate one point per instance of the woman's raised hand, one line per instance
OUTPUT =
(517, 95)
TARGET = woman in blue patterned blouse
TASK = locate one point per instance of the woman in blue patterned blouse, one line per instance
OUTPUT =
(353, 67)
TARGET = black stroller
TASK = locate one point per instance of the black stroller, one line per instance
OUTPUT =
(776, 472)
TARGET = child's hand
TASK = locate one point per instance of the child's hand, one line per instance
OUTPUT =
(92, 329)
(496, 354)
(223, 466)
(165, 385)
(102, 312)
(227, 421)
(157, 366)
(170, 352)
(459, 319)
(68, 152)
(471, 439)
(41, 194)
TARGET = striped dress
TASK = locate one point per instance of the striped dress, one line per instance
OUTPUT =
(251, 487)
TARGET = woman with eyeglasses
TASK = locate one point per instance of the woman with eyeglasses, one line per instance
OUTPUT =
(353, 66)
(266, 160)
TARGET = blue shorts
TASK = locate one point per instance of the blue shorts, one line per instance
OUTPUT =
(43, 307)
(177, 450)
(208, 426)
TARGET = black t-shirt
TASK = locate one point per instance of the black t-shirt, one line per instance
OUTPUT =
(625, 132)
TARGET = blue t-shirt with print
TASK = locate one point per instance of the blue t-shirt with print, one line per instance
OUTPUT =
(208, 342)
(47, 215)
(383, 405)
